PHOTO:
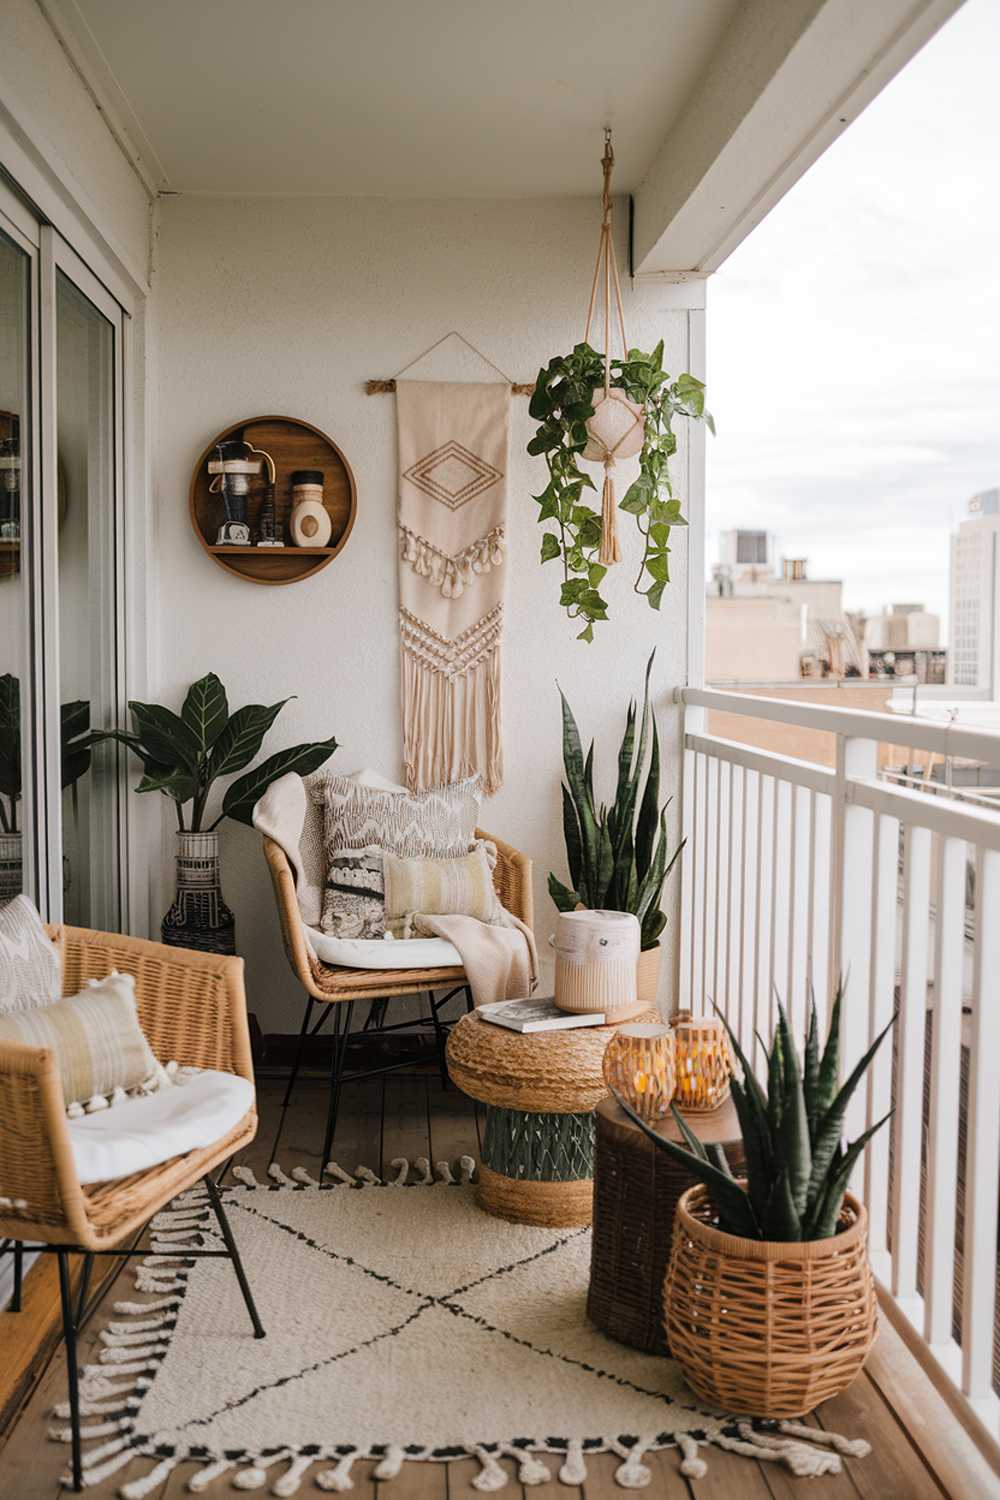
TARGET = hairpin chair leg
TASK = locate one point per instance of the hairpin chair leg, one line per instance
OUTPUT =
(234, 1256)
(69, 1337)
(470, 1004)
(341, 1038)
(15, 1300)
(440, 1039)
(294, 1075)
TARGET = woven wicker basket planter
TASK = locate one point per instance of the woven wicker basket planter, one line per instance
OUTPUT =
(768, 1329)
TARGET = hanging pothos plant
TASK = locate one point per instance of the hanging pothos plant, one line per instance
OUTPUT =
(562, 403)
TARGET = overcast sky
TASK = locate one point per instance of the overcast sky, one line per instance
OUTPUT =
(854, 338)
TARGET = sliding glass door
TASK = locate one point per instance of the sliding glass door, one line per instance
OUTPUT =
(62, 607)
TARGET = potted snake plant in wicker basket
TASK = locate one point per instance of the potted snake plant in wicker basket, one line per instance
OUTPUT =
(617, 854)
(769, 1301)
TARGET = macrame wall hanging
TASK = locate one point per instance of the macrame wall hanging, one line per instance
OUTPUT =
(452, 571)
(617, 427)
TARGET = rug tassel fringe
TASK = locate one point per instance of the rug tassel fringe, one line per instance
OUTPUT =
(255, 1477)
(334, 1169)
(423, 1166)
(244, 1175)
(391, 1464)
(530, 1470)
(210, 1474)
(444, 1172)
(849, 1447)
(302, 1177)
(491, 1476)
(804, 1461)
(402, 1168)
(136, 1489)
(574, 1469)
(338, 1478)
(633, 1474)
(277, 1175)
(693, 1466)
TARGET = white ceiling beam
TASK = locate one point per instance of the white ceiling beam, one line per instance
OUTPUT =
(786, 79)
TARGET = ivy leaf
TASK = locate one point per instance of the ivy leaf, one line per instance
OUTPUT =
(637, 496)
(655, 594)
(587, 633)
(595, 573)
(658, 567)
(550, 546)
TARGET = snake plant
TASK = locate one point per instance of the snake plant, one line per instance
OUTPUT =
(797, 1166)
(617, 855)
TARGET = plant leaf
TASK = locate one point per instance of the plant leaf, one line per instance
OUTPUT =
(795, 1147)
(781, 1221)
(831, 1124)
(206, 710)
(164, 736)
(571, 835)
(241, 739)
(243, 795)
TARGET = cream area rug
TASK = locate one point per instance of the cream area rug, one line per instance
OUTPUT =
(403, 1325)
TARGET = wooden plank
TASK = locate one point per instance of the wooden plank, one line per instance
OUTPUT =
(418, 1481)
(893, 1468)
(783, 1484)
(452, 1123)
(28, 1338)
(727, 1476)
(404, 1120)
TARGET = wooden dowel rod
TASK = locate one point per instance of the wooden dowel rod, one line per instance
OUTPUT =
(386, 388)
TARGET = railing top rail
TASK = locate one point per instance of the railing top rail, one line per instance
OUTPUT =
(858, 723)
(956, 820)
(766, 762)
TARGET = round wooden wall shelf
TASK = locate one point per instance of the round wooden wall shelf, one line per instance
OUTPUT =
(293, 445)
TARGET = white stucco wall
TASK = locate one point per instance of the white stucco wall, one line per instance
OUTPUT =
(288, 306)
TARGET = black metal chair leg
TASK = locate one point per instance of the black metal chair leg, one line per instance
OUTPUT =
(15, 1301)
(470, 1004)
(234, 1256)
(69, 1335)
(294, 1075)
(81, 1296)
(440, 1039)
(341, 1038)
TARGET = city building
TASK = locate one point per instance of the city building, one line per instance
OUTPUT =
(904, 640)
(974, 647)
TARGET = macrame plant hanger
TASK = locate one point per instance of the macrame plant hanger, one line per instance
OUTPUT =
(617, 427)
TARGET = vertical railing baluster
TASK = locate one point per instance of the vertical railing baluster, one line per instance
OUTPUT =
(850, 905)
(983, 1149)
(881, 1004)
(907, 1120)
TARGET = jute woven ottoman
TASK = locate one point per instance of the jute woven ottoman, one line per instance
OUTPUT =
(540, 1089)
(636, 1190)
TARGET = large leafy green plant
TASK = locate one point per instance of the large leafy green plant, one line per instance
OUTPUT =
(75, 744)
(797, 1165)
(562, 401)
(617, 854)
(184, 755)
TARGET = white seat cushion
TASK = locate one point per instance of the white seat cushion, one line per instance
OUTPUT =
(142, 1132)
(382, 953)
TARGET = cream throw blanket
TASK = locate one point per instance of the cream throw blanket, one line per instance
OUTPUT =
(452, 547)
(501, 963)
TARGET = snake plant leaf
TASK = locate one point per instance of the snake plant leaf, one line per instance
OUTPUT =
(565, 899)
(732, 1204)
(776, 1083)
(243, 794)
(10, 702)
(616, 820)
(750, 1083)
(605, 868)
(573, 765)
(829, 1068)
(205, 710)
(241, 739)
(782, 1221)
(756, 1146)
(826, 1215)
(588, 772)
(810, 1067)
(795, 1146)
(831, 1124)
(165, 736)
(718, 1158)
(692, 1141)
(573, 840)
(648, 819)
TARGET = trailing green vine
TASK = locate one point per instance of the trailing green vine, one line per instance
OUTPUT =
(561, 404)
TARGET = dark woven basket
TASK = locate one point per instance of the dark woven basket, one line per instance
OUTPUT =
(636, 1191)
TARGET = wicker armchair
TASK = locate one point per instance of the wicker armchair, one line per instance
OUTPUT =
(336, 989)
(192, 1007)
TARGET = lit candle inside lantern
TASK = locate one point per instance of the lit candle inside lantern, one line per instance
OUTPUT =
(703, 1061)
(639, 1065)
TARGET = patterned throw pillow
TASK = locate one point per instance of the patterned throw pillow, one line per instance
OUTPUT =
(100, 1048)
(438, 887)
(436, 824)
(353, 904)
(30, 964)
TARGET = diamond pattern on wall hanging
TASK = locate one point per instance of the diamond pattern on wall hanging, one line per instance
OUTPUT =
(453, 475)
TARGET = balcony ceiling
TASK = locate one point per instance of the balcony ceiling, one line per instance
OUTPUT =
(396, 98)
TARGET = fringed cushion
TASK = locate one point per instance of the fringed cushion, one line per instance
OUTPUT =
(100, 1049)
(438, 887)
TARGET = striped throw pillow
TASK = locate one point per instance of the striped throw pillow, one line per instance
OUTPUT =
(438, 887)
(100, 1048)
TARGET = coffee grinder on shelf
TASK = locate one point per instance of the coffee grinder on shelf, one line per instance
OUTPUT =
(232, 469)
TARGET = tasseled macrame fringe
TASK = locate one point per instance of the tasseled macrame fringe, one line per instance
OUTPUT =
(135, 1343)
(609, 552)
(451, 722)
(452, 575)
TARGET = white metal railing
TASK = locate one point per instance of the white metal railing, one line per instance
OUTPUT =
(795, 873)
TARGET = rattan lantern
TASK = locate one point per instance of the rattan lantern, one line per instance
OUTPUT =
(703, 1061)
(639, 1065)
(617, 427)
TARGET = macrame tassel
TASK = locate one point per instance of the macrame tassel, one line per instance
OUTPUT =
(423, 1166)
(610, 552)
(530, 1470)
(849, 1447)
(451, 706)
(339, 1478)
(402, 1167)
(389, 1466)
(633, 1473)
(574, 1469)
(136, 1489)
(693, 1466)
(491, 1476)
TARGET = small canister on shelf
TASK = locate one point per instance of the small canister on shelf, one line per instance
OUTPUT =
(310, 523)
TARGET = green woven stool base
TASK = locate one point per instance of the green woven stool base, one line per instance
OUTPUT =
(532, 1147)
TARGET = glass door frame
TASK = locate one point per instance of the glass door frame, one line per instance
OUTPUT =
(48, 254)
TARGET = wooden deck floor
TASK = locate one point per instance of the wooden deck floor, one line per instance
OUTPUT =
(411, 1115)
